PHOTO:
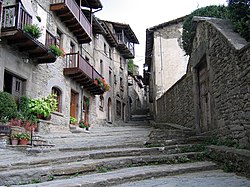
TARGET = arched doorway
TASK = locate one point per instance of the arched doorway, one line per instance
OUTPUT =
(109, 110)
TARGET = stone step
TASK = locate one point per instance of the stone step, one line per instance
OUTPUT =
(58, 171)
(128, 174)
(67, 156)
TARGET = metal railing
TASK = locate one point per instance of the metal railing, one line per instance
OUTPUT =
(15, 17)
(76, 11)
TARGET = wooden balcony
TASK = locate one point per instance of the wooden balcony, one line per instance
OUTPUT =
(13, 21)
(125, 47)
(79, 70)
(71, 15)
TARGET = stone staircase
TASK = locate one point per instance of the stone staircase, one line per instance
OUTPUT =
(104, 157)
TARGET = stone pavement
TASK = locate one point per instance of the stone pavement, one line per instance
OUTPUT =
(109, 155)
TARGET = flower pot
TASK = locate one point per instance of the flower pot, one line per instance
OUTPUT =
(23, 142)
(14, 141)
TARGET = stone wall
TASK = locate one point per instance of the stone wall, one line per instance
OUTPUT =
(227, 56)
(176, 105)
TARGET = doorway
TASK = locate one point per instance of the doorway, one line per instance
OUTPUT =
(204, 97)
(109, 110)
(73, 104)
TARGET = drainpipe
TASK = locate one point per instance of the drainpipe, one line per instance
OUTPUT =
(81, 101)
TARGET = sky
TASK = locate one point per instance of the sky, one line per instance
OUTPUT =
(143, 14)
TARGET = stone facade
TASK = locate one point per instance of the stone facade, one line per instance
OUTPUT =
(39, 79)
(219, 93)
(165, 57)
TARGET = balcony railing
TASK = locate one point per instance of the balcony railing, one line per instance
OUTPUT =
(82, 72)
(71, 14)
(14, 18)
(126, 47)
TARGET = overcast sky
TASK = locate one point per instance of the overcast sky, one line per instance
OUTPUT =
(143, 14)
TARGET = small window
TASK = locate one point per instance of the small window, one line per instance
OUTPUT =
(115, 81)
(58, 94)
(110, 77)
(121, 84)
(110, 53)
(101, 67)
(121, 63)
(101, 103)
(59, 41)
(105, 48)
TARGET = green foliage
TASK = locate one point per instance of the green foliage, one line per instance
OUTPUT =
(72, 120)
(131, 66)
(56, 50)
(240, 16)
(23, 136)
(8, 107)
(43, 106)
(209, 11)
(33, 30)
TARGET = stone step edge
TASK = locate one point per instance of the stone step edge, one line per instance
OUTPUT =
(129, 174)
(97, 154)
(91, 166)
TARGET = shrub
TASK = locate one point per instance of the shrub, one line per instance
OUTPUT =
(56, 50)
(8, 107)
(240, 17)
(209, 11)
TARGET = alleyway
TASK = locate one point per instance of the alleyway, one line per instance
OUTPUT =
(109, 155)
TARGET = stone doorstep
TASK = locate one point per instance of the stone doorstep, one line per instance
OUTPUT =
(65, 169)
(129, 174)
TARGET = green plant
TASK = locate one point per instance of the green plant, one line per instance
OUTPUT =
(56, 50)
(209, 11)
(83, 124)
(102, 83)
(72, 120)
(43, 106)
(33, 30)
(131, 66)
(24, 136)
(240, 17)
(8, 107)
(15, 136)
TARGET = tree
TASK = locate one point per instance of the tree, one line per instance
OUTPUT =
(209, 11)
(240, 17)
(131, 66)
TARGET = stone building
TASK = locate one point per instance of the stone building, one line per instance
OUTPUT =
(27, 66)
(213, 97)
(165, 59)
(136, 92)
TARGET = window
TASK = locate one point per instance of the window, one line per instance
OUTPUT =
(105, 48)
(58, 94)
(110, 77)
(110, 53)
(101, 67)
(59, 41)
(121, 63)
(115, 81)
(121, 84)
(101, 103)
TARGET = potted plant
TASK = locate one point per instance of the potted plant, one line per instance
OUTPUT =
(56, 51)
(24, 138)
(102, 83)
(83, 124)
(14, 139)
(33, 30)
(72, 120)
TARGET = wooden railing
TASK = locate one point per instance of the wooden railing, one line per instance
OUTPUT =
(76, 11)
(122, 39)
(75, 60)
(50, 39)
(15, 16)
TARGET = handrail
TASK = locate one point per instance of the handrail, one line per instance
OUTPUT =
(15, 16)
(76, 11)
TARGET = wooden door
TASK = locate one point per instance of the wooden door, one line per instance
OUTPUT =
(109, 110)
(204, 97)
(73, 104)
